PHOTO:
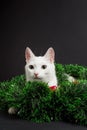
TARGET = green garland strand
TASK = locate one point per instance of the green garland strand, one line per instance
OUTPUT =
(36, 102)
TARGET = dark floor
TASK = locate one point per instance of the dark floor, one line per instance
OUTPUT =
(13, 123)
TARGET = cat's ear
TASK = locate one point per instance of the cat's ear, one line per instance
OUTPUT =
(28, 54)
(50, 54)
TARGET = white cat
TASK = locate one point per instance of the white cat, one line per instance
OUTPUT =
(41, 68)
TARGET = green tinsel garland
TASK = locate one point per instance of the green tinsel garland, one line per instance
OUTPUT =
(36, 102)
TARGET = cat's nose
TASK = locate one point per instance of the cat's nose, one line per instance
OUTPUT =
(36, 74)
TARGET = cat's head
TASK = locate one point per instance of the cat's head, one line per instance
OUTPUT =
(39, 67)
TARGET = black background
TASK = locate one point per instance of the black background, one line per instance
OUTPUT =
(61, 24)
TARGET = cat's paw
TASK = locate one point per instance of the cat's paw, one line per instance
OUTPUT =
(76, 81)
(12, 110)
(73, 80)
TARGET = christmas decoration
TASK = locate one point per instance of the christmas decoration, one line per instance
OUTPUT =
(37, 102)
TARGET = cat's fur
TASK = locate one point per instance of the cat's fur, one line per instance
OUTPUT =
(40, 68)
(43, 67)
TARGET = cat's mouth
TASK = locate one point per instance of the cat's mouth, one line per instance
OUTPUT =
(37, 78)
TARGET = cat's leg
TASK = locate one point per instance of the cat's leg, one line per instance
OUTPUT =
(71, 79)
(12, 110)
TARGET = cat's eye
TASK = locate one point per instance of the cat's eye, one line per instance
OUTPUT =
(44, 66)
(31, 66)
